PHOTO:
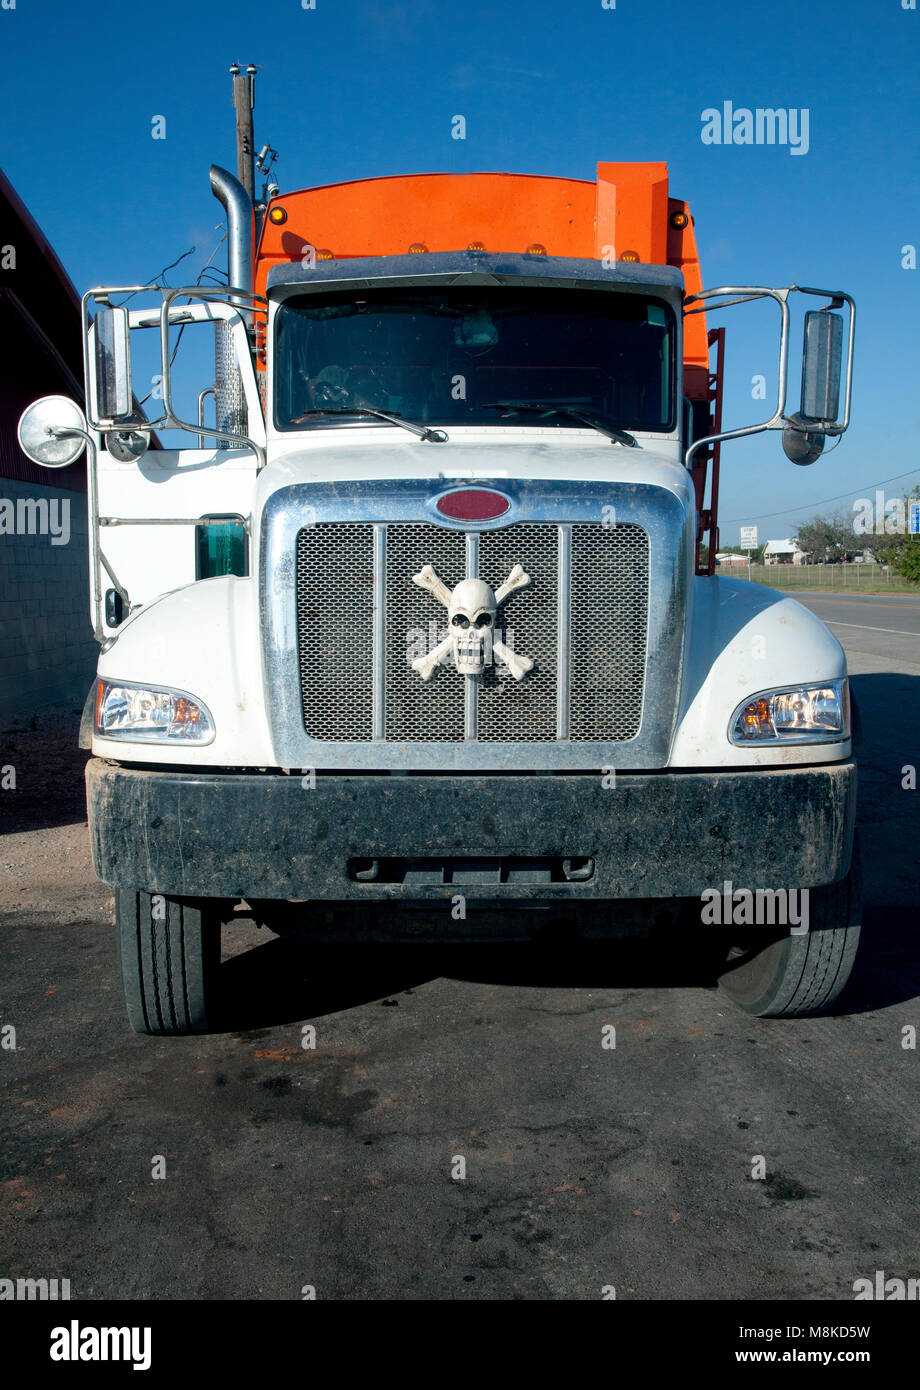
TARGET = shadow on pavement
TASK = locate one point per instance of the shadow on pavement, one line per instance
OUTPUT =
(286, 979)
(48, 767)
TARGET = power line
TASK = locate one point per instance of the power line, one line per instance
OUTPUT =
(197, 282)
(190, 252)
(767, 516)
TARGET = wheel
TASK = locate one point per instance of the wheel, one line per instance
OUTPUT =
(169, 953)
(795, 976)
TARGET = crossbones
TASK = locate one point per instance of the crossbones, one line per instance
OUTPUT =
(471, 609)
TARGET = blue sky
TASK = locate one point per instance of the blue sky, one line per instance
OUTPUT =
(354, 89)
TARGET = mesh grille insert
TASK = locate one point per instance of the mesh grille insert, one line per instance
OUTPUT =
(335, 629)
(427, 711)
(510, 710)
(607, 639)
(610, 579)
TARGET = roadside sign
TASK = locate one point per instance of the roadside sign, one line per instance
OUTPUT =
(913, 518)
(749, 538)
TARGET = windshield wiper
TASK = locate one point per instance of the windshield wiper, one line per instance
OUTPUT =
(571, 412)
(423, 432)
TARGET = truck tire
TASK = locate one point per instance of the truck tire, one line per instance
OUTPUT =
(797, 976)
(169, 953)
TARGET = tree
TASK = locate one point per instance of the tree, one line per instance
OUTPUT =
(831, 538)
(907, 560)
(881, 548)
(905, 555)
(827, 538)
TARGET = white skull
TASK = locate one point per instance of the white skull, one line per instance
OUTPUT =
(470, 622)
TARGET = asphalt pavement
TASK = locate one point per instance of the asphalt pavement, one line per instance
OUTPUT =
(337, 1167)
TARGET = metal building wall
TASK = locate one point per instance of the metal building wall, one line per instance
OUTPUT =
(47, 651)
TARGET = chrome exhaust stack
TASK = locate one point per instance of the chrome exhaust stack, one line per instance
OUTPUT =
(237, 204)
(228, 387)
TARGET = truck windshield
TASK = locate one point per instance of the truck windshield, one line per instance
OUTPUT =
(447, 356)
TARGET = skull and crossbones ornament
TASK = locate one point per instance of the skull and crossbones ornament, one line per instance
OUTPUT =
(471, 609)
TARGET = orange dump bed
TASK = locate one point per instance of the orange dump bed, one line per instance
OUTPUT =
(627, 214)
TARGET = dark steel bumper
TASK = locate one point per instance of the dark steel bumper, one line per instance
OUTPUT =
(651, 836)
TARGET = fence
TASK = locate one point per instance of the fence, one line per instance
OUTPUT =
(866, 576)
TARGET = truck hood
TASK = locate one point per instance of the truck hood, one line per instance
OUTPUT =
(471, 455)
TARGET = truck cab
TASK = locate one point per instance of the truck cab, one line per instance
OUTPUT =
(428, 619)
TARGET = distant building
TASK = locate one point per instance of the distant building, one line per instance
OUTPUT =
(730, 557)
(784, 552)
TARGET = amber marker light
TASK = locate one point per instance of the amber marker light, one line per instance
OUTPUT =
(277, 215)
(536, 248)
(679, 220)
(755, 718)
(628, 256)
(186, 712)
(418, 248)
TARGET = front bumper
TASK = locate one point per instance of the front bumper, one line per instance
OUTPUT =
(508, 838)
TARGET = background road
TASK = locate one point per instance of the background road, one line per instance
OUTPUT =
(870, 624)
(584, 1166)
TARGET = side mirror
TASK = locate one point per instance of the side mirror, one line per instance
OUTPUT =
(113, 363)
(47, 431)
(822, 351)
(801, 444)
(127, 445)
(821, 357)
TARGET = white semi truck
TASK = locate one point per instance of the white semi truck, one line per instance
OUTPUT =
(426, 616)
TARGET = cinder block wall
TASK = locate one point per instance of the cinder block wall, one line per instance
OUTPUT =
(47, 649)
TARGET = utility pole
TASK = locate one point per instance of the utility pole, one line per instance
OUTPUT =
(243, 102)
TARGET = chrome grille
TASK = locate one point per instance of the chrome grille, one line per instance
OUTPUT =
(587, 689)
(608, 636)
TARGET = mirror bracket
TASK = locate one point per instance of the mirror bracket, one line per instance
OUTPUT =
(727, 295)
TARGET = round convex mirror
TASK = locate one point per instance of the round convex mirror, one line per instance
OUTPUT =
(801, 444)
(37, 441)
(127, 445)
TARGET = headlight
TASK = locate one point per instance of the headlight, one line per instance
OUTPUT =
(143, 714)
(795, 714)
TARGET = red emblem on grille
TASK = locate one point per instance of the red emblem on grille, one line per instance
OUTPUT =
(473, 504)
